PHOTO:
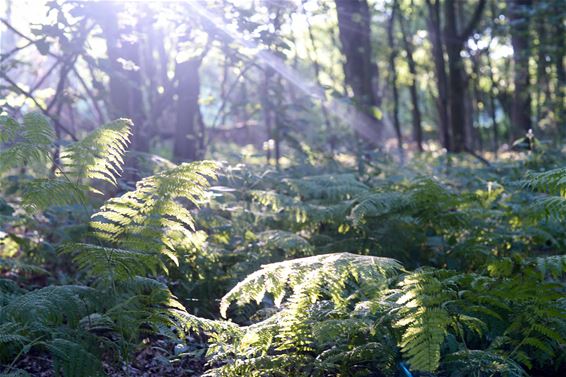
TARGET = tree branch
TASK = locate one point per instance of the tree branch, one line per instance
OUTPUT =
(473, 21)
(41, 108)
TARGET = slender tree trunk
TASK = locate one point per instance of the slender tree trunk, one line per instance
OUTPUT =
(317, 70)
(521, 100)
(492, 97)
(393, 73)
(434, 28)
(560, 50)
(416, 111)
(453, 93)
(186, 144)
(267, 112)
(541, 75)
(456, 79)
(355, 41)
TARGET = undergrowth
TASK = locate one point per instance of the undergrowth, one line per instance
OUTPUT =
(443, 267)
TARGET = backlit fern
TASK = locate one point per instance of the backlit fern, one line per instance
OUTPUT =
(150, 221)
(27, 142)
(100, 155)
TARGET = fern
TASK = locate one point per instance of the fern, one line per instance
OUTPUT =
(552, 185)
(292, 244)
(40, 194)
(551, 181)
(119, 263)
(477, 362)
(100, 155)
(72, 360)
(43, 308)
(330, 187)
(306, 277)
(314, 296)
(148, 222)
(31, 140)
(123, 220)
(424, 319)
(554, 265)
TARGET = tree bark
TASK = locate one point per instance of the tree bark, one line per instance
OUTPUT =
(125, 83)
(455, 41)
(317, 70)
(521, 99)
(434, 30)
(392, 58)
(416, 111)
(186, 145)
(492, 96)
(360, 73)
(560, 50)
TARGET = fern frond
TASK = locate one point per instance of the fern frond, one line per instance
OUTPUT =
(72, 359)
(100, 155)
(16, 265)
(31, 140)
(147, 223)
(553, 265)
(121, 264)
(276, 278)
(327, 187)
(10, 332)
(9, 129)
(378, 204)
(471, 363)
(424, 319)
(292, 244)
(40, 194)
(153, 208)
(44, 307)
(551, 181)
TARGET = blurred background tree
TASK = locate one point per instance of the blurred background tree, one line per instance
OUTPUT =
(284, 79)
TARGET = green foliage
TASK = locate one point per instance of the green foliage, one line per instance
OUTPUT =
(148, 222)
(552, 186)
(28, 142)
(74, 323)
(310, 309)
(309, 277)
(424, 320)
(450, 272)
(100, 155)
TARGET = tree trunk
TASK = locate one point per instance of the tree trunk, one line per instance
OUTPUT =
(560, 49)
(451, 90)
(521, 100)
(392, 58)
(360, 73)
(456, 78)
(492, 96)
(434, 29)
(125, 79)
(186, 145)
(416, 111)
(317, 70)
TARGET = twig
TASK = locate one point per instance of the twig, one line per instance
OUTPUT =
(90, 95)
(47, 74)
(41, 108)
(477, 156)
(13, 51)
